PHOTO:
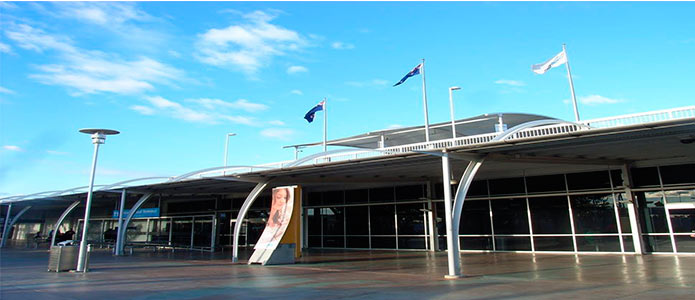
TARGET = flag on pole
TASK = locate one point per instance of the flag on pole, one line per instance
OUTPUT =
(310, 115)
(412, 73)
(557, 60)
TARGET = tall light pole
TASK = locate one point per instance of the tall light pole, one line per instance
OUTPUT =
(451, 109)
(98, 138)
(226, 147)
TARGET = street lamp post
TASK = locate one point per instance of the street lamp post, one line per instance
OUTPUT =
(98, 138)
(226, 147)
(451, 109)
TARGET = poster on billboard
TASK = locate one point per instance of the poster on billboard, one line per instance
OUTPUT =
(279, 218)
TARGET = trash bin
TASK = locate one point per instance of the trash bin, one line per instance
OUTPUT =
(63, 257)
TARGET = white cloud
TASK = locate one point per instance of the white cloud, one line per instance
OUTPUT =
(277, 123)
(248, 46)
(510, 82)
(242, 104)
(395, 126)
(90, 72)
(5, 48)
(206, 112)
(54, 152)
(278, 133)
(296, 69)
(296, 92)
(598, 100)
(107, 14)
(12, 148)
(370, 83)
(6, 91)
(342, 46)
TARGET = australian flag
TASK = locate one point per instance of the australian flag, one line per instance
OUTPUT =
(412, 73)
(310, 115)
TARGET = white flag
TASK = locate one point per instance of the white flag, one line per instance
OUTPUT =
(557, 60)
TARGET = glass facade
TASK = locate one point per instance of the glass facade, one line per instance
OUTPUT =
(577, 212)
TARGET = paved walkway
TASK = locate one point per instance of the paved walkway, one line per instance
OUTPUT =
(351, 275)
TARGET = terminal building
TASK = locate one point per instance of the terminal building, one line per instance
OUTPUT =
(519, 182)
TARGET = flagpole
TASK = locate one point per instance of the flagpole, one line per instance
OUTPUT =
(569, 76)
(325, 116)
(424, 103)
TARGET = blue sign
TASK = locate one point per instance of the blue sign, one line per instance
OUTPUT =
(140, 213)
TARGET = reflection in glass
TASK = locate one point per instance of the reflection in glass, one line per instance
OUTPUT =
(653, 215)
(593, 213)
(357, 220)
(550, 215)
(683, 220)
(598, 243)
(554, 243)
(333, 220)
(623, 213)
(357, 242)
(314, 221)
(678, 174)
(628, 244)
(680, 196)
(382, 220)
(685, 243)
(475, 243)
(588, 180)
(333, 241)
(383, 242)
(410, 218)
(657, 243)
(411, 242)
(509, 243)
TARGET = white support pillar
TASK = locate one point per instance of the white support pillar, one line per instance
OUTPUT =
(242, 214)
(60, 220)
(5, 231)
(453, 255)
(632, 208)
(119, 234)
(431, 220)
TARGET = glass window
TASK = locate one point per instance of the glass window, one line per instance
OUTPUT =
(550, 215)
(411, 243)
(588, 180)
(315, 241)
(475, 218)
(410, 219)
(685, 243)
(410, 192)
(508, 243)
(314, 221)
(554, 243)
(381, 195)
(475, 243)
(683, 220)
(680, 196)
(507, 186)
(617, 178)
(678, 174)
(598, 243)
(477, 188)
(356, 196)
(642, 177)
(357, 220)
(333, 241)
(658, 243)
(224, 204)
(547, 183)
(333, 218)
(357, 242)
(382, 220)
(653, 215)
(383, 242)
(628, 244)
(509, 216)
(333, 198)
(314, 199)
(593, 213)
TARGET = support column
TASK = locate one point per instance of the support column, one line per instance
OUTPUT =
(119, 235)
(4, 227)
(127, 221)
(242, 214)
(432, 219)
(14, 220)
(632, 210)
(453, 254)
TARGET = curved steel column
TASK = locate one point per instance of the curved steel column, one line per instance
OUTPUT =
(242, 214)
(4, 227)
(6, 231)
(61, 219)
(122, 230)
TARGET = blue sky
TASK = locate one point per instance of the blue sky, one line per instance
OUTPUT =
(174, 78)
